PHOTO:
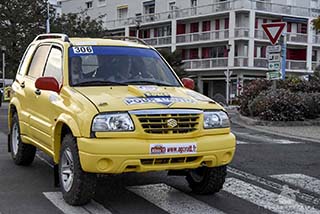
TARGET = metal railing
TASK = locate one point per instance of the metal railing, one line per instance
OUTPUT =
(260, 34)
(260, 62)
(158, 41)
(205, 63)
(297, 37)
(203, 36)
(241, 61)
(316, 39)
(296, 65)
(214, 8)
(241, 32)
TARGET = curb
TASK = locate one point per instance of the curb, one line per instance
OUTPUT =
(238, 119)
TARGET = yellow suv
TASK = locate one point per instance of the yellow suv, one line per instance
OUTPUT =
(109, 106)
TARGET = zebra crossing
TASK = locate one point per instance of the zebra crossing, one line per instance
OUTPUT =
(271, 193)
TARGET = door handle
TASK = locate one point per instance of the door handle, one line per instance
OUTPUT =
(37, 92)
(22, 85)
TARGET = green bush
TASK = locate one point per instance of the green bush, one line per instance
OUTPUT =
(250, 92)
(293, 100)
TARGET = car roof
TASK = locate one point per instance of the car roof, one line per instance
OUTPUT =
(105, 42)
(123, 41)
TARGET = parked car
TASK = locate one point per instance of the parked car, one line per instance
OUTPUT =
(110, 106)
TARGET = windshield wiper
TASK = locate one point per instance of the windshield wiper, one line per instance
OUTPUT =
(98, 83)
(147, 82)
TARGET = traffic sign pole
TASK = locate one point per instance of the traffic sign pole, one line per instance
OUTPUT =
(284, 56)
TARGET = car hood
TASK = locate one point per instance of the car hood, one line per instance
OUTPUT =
(135, 97)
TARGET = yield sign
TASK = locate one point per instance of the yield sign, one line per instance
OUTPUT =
(273, 30)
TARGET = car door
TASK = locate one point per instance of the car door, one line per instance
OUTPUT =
(49, 102)
(18, 89)
(37, 130)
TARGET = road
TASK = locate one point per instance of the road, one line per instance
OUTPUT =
(268, 175)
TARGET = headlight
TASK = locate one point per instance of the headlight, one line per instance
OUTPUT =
(215, 119)
(115, 122)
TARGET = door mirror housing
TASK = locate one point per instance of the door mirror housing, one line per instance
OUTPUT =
(47, 83)
(188, 83)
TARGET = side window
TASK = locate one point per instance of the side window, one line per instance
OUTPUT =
(54, 65)
(25, 60)
(38, 61)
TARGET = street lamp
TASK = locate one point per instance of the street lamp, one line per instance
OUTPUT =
(48, 18)
(3, 51)
(138, 24)
(228, 74)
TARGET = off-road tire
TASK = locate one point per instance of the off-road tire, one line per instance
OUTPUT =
(212, 180)
(25, 152)
(84, 184)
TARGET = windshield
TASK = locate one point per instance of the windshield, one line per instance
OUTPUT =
(105, 65)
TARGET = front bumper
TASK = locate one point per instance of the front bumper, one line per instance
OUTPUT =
(118, 155)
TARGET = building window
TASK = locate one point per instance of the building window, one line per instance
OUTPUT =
(194, 3)
(89, 4)
(206, 26)
(122, 12)
(149, 7)
(102, 3)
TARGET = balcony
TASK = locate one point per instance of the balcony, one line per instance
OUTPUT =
(261, 62)
(206, 63)
(240, 61)
(158, 41)
(283, 9)
(260, 34)
(203, 36)
(241, 32)
(297, 37)
(213, 9)
(296, 65)
(316, 39)
(290, 64)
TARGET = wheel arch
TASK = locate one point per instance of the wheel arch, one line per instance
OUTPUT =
(64, 125)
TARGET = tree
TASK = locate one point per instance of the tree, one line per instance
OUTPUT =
(20, 22)
(316, 23)
(175, 60)
(78, 25)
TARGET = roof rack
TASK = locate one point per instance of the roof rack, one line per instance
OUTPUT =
(61, 36)
(127, 38)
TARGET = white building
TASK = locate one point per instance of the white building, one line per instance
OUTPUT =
(203, 30)
(56, 6)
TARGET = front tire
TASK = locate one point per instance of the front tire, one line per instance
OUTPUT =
(21, 153)
(206, 180)
(77, 186)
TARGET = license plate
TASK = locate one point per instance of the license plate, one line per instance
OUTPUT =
(173, 149)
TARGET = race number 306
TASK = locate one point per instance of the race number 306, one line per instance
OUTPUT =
(82, 50)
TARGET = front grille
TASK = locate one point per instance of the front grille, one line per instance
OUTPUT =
(159, 161)
(160, 123)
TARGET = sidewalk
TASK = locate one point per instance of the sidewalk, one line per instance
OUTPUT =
(294, 130)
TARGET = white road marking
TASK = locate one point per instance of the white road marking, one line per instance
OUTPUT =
(266, 199)
(172, 200)
(299, 180)
(44, 160)
(271, 141)
(58, 201)
(242, 142)
(276, 186)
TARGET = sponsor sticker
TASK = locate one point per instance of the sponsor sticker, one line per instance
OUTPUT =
(148, 88)
(82, 50)
(160, 100)
(173, 149)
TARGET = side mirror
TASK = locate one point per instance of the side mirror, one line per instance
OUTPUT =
(47, 83)
(188, 83)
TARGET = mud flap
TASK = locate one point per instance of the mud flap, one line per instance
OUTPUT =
(56, 175)
(9, 144)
